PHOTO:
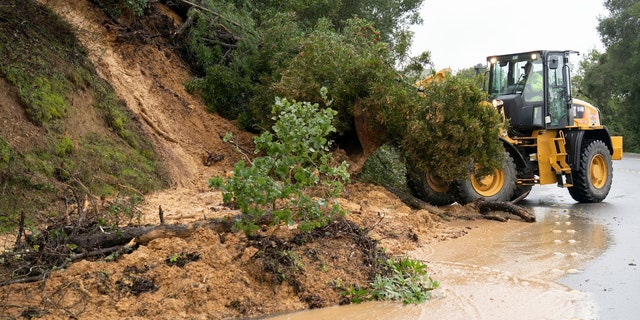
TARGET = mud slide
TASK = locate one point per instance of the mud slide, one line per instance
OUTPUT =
(222, 282)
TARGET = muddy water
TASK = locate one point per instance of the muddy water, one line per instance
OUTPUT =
(499, 271)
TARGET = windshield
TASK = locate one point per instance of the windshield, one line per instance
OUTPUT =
(516, 74)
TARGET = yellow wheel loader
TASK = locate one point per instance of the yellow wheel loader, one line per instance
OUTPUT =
(551, 137)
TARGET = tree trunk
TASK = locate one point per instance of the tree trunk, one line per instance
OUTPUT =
(370, 139)
(142, 234)
(487, 206)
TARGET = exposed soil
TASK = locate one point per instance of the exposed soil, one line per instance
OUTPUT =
(208, 274)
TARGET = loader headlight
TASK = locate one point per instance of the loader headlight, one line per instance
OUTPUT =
(497, 103)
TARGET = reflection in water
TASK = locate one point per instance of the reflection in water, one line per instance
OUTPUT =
(498, 271)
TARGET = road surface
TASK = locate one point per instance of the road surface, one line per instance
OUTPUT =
(613, 278)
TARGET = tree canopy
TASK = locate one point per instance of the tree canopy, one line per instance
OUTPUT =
(242, 48)
(247, 53)
(612, 78)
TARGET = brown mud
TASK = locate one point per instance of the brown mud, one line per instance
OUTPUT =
(233, 276)
(498, 271)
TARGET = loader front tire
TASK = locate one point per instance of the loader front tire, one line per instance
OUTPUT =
(592, 180)
(499, 186)
(429, 187)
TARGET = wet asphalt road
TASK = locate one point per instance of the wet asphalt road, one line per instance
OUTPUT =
(613, 278)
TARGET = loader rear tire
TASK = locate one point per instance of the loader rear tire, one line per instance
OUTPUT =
(592, 180)
(429, 187)
(499, 186)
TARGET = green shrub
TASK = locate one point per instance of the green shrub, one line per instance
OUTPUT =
(385, 167)
(407, 280)
(223, 89)
(223, 44)
(295, 181)
(64, 146)
(43, 97)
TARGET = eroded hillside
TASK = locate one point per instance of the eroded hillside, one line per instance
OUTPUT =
(227, 275)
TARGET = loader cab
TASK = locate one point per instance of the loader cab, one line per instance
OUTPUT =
(532, 89)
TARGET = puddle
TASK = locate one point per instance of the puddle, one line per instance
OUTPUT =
(560, 242)
(498, 271)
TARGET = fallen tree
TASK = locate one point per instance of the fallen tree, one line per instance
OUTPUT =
(35, 255)
(484, 207)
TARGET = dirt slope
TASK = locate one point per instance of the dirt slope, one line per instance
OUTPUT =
(223, 279)
(149, 78)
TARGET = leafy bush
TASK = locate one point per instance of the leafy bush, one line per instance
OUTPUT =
(385, 167)
(64, 146)
(407, 280)
(43, 97)
(295, 180)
